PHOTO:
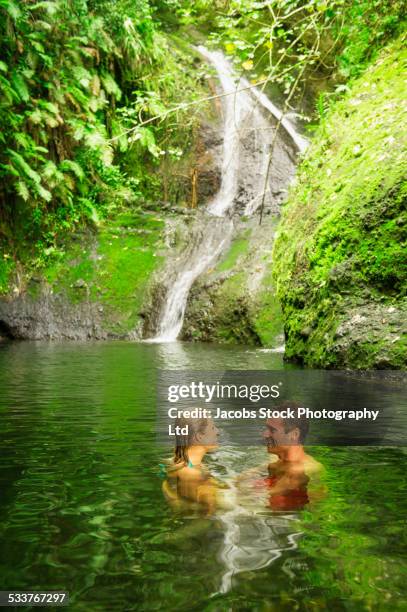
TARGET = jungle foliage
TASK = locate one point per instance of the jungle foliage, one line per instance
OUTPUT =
(297, 42)
(79, 83)
(340, 256)
(86, 87)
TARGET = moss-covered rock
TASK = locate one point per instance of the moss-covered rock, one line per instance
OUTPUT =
(235, 302)
(96, 288)
(340, 254)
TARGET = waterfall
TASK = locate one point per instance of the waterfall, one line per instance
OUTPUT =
(214, 236)
(237, 106)
(247, 139)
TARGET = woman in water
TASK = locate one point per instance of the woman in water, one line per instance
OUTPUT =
(187, 477)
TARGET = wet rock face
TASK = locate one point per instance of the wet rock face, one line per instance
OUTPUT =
(151, 311)
(207, 167)
(5, 332)
(257, 160)
(50, 316)
(198, 176)
(209, 321)
(359, 334)
(208, 182)
(373, 332)
(258, 143)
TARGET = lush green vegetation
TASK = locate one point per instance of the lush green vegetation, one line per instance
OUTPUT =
(294, 47)
(340, 259)
(339, 262)
(80, 82)
(100, 107)
(112, 269)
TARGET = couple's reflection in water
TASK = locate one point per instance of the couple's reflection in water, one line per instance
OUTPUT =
(257, 508)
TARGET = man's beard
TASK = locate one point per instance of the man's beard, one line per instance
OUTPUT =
(271, 445)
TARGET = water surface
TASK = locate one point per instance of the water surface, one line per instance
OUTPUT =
(81, 507)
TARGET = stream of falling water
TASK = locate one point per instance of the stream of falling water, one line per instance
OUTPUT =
(214, 229)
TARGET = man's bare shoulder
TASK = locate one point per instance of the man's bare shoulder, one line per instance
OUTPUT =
(312, 466)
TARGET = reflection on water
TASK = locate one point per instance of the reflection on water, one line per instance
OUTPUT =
(253, 537)
(192, 356)
(81, 505)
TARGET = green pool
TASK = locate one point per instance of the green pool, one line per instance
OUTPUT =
(81, 507)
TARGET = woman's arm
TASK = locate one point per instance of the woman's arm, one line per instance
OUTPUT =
(206, 495)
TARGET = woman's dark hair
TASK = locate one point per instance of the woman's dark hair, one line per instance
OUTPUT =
(182, 442)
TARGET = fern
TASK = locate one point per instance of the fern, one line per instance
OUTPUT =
(20, 86)
(22, 164)
(50, 7)
(12, 9)
(71, 166)
(24, 140)
(22, 190)
(7, 90)
(82, 75)
(49, 106)
(67, 78)
(110, 85)
(49, 170)
(35, 117)
(146, 138)
(43, 193)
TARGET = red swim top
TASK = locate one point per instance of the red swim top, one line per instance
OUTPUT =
(292, 499)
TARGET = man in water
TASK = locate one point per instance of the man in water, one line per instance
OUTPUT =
(286, 480)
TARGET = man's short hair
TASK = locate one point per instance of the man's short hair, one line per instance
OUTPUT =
(302, 423)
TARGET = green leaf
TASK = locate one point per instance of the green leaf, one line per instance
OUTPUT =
(43, 193)
(82, 75)
(50, 7)
(22, 190)
(24, 140)
(35, 117)
(20, 86)
(147, 139)
(110, 85)
(8, 91)
(22, 164)
(71, 166)
(49, 170)
(12, 9)
(49, 106)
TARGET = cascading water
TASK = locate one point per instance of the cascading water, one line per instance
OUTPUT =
(213, 237)
(236, 108)
(247, 137)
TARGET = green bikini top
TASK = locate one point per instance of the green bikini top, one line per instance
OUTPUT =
(163, 468)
